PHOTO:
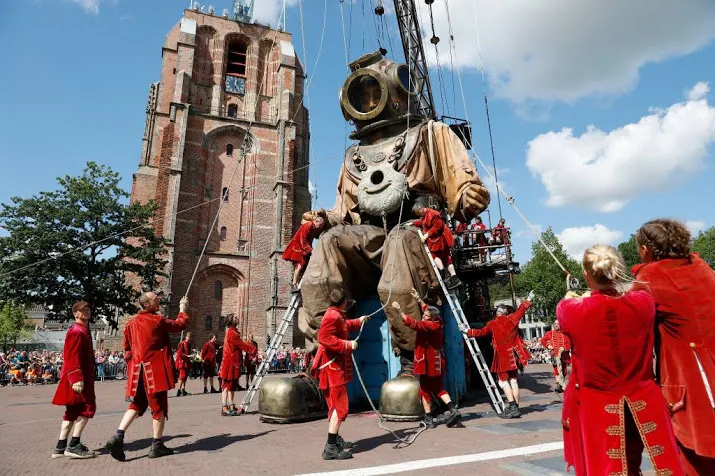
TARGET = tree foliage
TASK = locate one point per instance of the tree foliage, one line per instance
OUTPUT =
(82, 227)
(12, 324)
(704, 244)
(544, 276)
(629, 250)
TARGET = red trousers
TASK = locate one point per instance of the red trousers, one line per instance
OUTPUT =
(431, 386)
(86, 410)
(443, 255)
(157, 402)
(337, 400)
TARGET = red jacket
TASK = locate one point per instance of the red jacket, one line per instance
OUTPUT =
(147, 351)
(685, 299)
(208, 352)
(508, 344)
(232, 358)
(438, 235)
(557, 340)
(299, 247)
(462, 227)
(182, 355)
(332, 365)
(78, 357)
(428, 346)
(612, 342)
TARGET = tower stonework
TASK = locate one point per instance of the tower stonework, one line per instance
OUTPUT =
(226, 122)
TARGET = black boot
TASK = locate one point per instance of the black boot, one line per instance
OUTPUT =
(178, 393)
(559, 388)
(346, 445)
(213, 390)
(158, 450)
(185, 392)
(506, 414)
(453, 283)
(206, 390)
(335, 452)
(514, 410)
(452, 417)
(430, 421)
(115, 445)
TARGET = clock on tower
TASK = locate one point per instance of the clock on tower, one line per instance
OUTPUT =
(235, 84)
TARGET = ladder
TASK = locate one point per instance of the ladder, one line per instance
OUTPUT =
(472, 345)
(262, 370)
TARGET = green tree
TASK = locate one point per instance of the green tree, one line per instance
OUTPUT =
(82, 227)
(629, 250)
(544, 276)
(704, 244)
(12, 324)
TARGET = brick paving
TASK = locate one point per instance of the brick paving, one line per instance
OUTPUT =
(208, 442)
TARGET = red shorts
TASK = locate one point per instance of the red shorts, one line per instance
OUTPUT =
(337, 400)
(230, 385)
(86, 410)
(508, 375)
(431, 386)
(209, 369)
(444, 255)
(157, 402)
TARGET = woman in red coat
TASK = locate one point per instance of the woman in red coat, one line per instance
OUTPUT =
(439, 240)
(613, 409)
(183, 364)
(683, 287)
(231, 365)
(428, 361)
(300, 246)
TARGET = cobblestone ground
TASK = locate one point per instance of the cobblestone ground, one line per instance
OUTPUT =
(205, 441)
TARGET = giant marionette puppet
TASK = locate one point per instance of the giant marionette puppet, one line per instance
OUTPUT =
(401, 159)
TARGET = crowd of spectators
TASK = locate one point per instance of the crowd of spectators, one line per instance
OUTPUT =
(539, 355)
(43, 367)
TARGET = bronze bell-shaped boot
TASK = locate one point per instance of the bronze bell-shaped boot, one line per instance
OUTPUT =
(291, 399)
(400, 399)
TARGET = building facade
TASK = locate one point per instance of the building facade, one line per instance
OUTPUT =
(225, 158)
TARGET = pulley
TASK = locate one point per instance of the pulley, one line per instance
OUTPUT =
(379, 9)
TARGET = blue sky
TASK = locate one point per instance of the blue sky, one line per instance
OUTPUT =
(77, 72)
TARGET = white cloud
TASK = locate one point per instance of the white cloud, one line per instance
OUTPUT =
(269, 11)
(699, 91)
(565, 50)
(89, 6)
(577, 239)
(312, 189)
(695, 226)
(605, 170)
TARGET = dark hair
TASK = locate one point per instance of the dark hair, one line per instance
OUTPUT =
(337, 296)
(665, 238)
(79, 306)
(433, 310)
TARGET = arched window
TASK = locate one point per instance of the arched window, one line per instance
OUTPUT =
(223, 233)
(229, 149)
(218, 290)
(208, 323)
(236, 60)
(224, 194)
(232, 110)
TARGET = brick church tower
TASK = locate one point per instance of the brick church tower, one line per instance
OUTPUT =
(224, 82)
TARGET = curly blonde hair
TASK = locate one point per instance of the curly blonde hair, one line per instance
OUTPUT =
(606, 266)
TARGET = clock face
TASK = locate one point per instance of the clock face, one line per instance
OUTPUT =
(235, 85)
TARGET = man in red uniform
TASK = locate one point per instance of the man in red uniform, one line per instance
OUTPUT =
(231, 365)
(428, 361)
(500, 234)
(208, 363)
(333, 368)
(510, 353)
(183, 363)
(481, 238)
(559, 345)
(439, 240)
(150, 371)
(300, 246)
(76, 387)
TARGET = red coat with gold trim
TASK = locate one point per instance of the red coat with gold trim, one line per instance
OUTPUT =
(438, 235)
(508, 345)
(78, 366)
(147, 351)
(612, 340)
(182, 355)
(300, 247)
(428, 346)
(232, 357)
(684, 295)
(557, 340)
(333, 365)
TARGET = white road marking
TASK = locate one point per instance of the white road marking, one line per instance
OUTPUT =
(447, 461)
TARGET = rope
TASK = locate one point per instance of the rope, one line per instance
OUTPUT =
(508, 197)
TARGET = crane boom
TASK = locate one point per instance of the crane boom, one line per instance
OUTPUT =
(409, 26)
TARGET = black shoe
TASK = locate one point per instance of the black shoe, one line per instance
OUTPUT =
(178, 393)
(213, 390)
(233, 411)
(346, 445)
(115, 445)
(453, 283)
(79, 451)
(506, 414)
(158, 450)
(335, 452)
(58, 452)
(452, 418)
(185, 393)
(514, 410)
(559, 388)
(206, 390)
(430, 422)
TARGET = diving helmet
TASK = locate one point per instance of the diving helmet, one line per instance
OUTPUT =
(378, 93)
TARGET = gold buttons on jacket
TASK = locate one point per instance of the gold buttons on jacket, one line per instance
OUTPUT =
(692, 344)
